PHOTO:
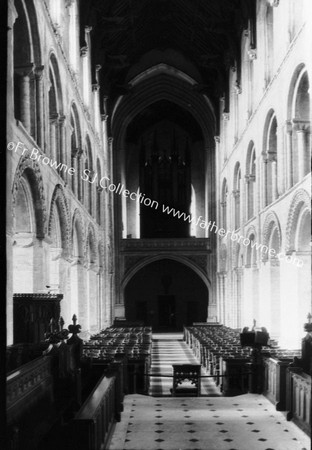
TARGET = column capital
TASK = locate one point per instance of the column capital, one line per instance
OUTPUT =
(226, 116)
(104, 117)
(88, 28)
(300, 125)
(252, 53)
(95, 87)
(273, 3)
(110, 140)
(237, 88)
(61, 119)
(84, 51)
(39, 72)
(54, 117)
(26, 70)
(288, 126)
(12, 14)
(217, 139)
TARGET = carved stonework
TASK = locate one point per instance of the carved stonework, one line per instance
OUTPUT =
(92, 242)
(200, 261)
(131, 261)
(300, 200)
(36, 184)
(270, 224)
(77, 217)
(273, 3)
(252, 53)
(59, 200)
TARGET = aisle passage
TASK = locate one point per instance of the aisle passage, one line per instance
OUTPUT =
(243, 422)
(168, 349)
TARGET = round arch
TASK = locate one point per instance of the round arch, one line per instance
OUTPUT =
(299, 205)
(78, 227)
(30, 170)
(271, 228)
(59, 201)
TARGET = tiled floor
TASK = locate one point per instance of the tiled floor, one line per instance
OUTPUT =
(246, 422)
(170, 349)
(160, 422)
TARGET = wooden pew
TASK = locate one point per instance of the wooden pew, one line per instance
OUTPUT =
(29, 398)
(93, 424)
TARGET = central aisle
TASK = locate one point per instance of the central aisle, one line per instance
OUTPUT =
(168, 349)
(242, 422)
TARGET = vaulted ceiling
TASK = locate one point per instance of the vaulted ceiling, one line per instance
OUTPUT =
(199, 37)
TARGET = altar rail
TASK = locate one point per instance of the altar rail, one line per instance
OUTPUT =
(93, 424)
(298, 398)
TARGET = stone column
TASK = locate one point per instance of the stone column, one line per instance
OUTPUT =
(62, 146)
(289, 160)
(39, 106)
(12, 16)
(237, 215)
(238, 289)
(247, 208)
(53, 136)
(75, 175)
(25, 73)
(301, 148)
(273, 163)
(264, 182)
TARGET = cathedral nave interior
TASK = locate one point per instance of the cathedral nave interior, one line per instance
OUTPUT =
(158, 204)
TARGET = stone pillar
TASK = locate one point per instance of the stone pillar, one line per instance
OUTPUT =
(12, 16)
(41, 264)
(273, 163)
(238, 291)
(74, 177)
(301, 149)
(25, 73)
(62, 147)
(83, 295)
(237, 209)
(264, 182)
(289, 160)
(92, 269)
(247, 208)
(221, 278)
(39, 106)
(53, 136)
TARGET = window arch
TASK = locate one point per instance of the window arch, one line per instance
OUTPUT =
(298, 133)
(269, 43)
(28, 69)
(251, 180)
(73, 35)
(270, 160)
(56, 118)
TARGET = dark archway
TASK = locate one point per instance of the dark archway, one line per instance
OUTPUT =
(167, 295)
